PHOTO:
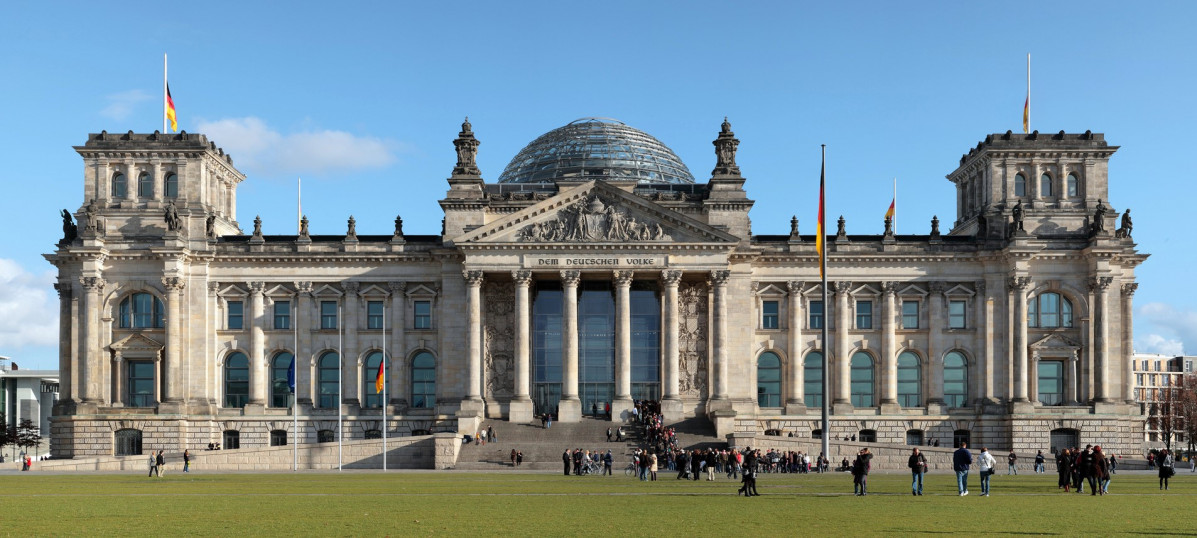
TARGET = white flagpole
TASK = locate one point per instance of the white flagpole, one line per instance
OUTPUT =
(895, 220)
(385, 374)
(1028, 91)
(340, 384)
(295, 390)
(164, 104)
(299, 207)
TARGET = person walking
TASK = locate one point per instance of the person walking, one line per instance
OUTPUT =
(186, 461)
(986, 463)
(918, 467)
(1039, 459)
(962, 459)
(161, 463)
(1064, 467)
(1013, 459)
(608, 435)
(1103, 470)
(153, 464)
(860, 472)
(1166, 468)
(519, 458)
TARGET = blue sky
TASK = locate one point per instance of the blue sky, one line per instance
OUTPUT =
(363, 100)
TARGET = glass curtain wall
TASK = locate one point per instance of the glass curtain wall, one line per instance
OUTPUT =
(596, 346)
(646, 341)
(546, 346)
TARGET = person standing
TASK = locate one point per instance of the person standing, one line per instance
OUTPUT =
(186, 461)
(1103, 470)
(161, 463)
(860, 472)
(513, 458)
(918, 467)
(986, 463)
(962, 459)
(652, 466)
(1039, 459)
(565, 457)
(1013, 459)
(1166, 468)
(608, 435)
(519, 458)
(1064, 467)
(608, 459)
(749, 473)
(490, 434)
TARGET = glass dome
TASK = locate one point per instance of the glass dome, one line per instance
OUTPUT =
(596, 148)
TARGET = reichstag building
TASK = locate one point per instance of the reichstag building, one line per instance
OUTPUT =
(596, 271)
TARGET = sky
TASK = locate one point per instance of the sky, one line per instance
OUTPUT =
(363, 99)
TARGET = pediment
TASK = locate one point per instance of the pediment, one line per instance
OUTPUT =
(865, 290)
(959, 290)
(771, 290)
(596, 212)
(912, 290)
(1055, 342)
(136, 343)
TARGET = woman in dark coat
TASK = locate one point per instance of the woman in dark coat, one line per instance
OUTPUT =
(1166, 468)
(1064, 467)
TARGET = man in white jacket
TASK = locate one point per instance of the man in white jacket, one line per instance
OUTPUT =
(987, 463)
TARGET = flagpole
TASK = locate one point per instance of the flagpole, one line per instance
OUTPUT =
(294, 393)
(340, 384)
(823, 274)
(299, 207)
(1028, 90)
(164, 104)
(385, 372)
(895, 217)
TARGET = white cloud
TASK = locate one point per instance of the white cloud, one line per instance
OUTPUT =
(1171, 331)
(120, 105)
(257, 147)
(28, 312)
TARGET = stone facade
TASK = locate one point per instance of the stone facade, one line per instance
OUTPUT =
(178, 327)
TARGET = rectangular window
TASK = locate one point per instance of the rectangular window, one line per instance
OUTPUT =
(910, 314)
(141, 383)
(374, 315)
(1051, 382)
(769, 315)
(956, 316)
(282, 315)
(816, 314)
(328, 314)
(864, 314)
(423, 317)
(236, 315)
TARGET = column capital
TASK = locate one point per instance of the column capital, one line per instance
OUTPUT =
(1129, 289)
(719, 278)
(980, 287)
(522, 277)
(889, 288)
(92, 283)
(1100, 283)
(937, 287)
(303, 287)
(257, 288)
(795, 287)
(472, 277)
(64, 289)
(350, 287)
(622, 278)
(173, 283)
(1021, 283)
(671, 277)
(841, 287)
(397, 287)
(213, 287)
(571, 278)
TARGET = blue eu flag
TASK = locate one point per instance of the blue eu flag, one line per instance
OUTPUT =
(291, 375)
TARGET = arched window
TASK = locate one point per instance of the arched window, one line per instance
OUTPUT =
(120, 186)
(862, 379)
(170, 185)
(278, 437)
(328, 380)
(142, 311)
(128, 442)
(373, 397)
(955, 379)
(326, 436)
(1049, 311)
(1072, 186)
(236, 381)
(280, 379)
(1020, 185)
(232, 440)
(768, 380)
(1045, 185)
(145, 185)
(812, 382)
(373, 434)
(909, 380)
(423, 380)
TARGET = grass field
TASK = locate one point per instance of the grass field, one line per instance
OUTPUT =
(517, 504)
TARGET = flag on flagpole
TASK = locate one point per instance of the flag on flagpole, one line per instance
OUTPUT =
(1026, 115)
(170, 111)
(821, 227)
(291, 375)
(379, 379)
(889, 214)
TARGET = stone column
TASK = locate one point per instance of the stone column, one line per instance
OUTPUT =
(937, 325)
(351, 376)
(794, 402)
(623, 343)
(118, 375)
(474, 339)
(671, 404)
(570, 407)
(1102, 286)
(90, 359)
(1071, 380)
(65, 294)
(842, 403)
(521, 410)
(172, 362)
(1033, 379)
(1018, 298)
(258, 372)
(889, 349)
(984, 324)
(719, 333)
(395, 347)
(1128, 346)
(303, 355)
(156, 170)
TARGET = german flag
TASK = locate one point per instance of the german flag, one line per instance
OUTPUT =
(1026, 115)
(890, 213)
(170, 111)
(380, 379)
(821, 227)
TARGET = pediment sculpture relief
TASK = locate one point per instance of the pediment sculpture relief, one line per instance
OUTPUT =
(593, 220)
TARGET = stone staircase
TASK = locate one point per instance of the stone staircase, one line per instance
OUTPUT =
(542, 447)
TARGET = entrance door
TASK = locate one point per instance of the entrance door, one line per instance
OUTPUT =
(545, 397)
(1065, 438)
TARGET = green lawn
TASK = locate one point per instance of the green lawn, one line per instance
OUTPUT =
(487, 504)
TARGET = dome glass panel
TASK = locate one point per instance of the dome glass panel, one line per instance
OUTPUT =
(596, 148)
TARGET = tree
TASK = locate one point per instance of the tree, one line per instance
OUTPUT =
(1187, 407)
(28, 435)
(1165, 411)
(4, 432)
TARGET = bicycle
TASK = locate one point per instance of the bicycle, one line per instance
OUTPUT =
(630, 470)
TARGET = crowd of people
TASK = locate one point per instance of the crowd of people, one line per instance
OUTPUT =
(1076, 466)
